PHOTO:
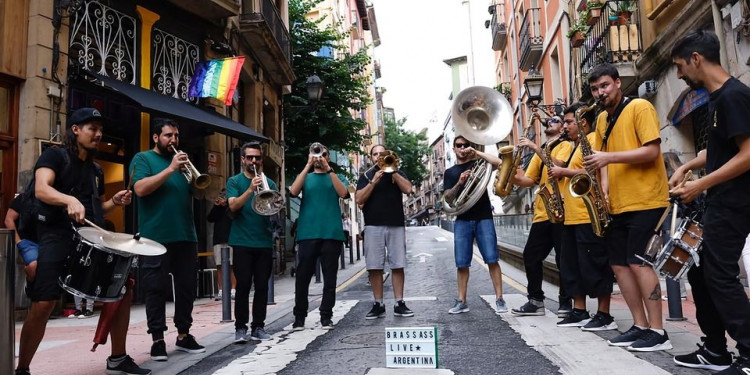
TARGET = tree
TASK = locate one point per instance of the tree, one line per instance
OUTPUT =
(411, 148)
(334, 121)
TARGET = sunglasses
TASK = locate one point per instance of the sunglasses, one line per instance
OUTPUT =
(461, 145)
(251, 157)
(553, 121)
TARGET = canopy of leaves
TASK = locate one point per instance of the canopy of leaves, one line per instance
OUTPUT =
(411, 148)
(335, 120)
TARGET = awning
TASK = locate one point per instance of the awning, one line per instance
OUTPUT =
(688, 102)
(178, 108)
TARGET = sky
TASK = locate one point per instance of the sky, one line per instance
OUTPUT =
(416, 36)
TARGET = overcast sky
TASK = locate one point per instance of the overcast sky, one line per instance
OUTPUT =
(416, 36)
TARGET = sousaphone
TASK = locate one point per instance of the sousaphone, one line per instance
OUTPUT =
(483, 116)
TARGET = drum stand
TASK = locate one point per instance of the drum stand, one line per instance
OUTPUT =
(674, 300)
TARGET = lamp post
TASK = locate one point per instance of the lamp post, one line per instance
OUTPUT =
(314, 86)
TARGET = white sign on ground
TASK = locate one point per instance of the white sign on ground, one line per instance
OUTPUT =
(411, 347)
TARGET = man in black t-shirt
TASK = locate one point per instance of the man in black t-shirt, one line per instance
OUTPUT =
(380, 193)
(476, 223)
(726, 220)
(68, 181)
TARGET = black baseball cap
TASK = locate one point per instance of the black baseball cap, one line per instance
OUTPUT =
(84, 115)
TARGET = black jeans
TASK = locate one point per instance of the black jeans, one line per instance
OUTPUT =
(181, 260)
(543, 236)
(251, 265)
(724, 237)
(308, 252)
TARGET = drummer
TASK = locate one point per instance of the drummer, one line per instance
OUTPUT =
(68, 181)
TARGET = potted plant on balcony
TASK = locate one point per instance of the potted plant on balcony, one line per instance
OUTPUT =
(577, 33)
(594, 11)
(504, 88)
(625, 9)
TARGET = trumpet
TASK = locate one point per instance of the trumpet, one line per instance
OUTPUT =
(198, 180)
(266, 202)
(388, 161)
(317, 149)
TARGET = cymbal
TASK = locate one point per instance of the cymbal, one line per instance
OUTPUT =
(122, 243)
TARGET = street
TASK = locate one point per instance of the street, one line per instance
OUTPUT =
(477, 342)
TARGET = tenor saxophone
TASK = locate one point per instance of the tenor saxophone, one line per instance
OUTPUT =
(511, 159)
(586, 185)
(553, 201)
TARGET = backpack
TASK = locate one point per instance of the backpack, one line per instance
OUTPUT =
(33, 210)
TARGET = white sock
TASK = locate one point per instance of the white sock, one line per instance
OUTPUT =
(659, 331)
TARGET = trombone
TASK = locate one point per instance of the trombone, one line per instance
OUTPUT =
(198, 180)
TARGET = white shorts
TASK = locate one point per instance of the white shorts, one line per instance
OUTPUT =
(377, 240)
(217, 253)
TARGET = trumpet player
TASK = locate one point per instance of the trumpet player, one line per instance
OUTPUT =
(320, 233)
(584, 266)
(543, 235)
(476, 223)
(627, 133)
(165, 215)
(251, 237)
(381, 195)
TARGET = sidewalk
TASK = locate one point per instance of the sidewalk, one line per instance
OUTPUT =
(66, 347)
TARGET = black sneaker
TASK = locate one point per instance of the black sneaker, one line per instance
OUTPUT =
(326, 323)
(125, 366)
(566, 307)
(377, 311)
(626, 338)
(577, 318)
(530, 308)
(75, 315)
(86, 314)
(23, 372)
(159, 351)
(704, 359)
(401, 310)
(741, 366)
(600, 322)
(299, 324)
(651, 341)
(189, 345)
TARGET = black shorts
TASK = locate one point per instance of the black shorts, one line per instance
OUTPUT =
(584, 266)
(54, 248)
(628, 235)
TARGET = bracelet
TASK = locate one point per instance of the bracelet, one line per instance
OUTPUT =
(115, 203)
(330, 170)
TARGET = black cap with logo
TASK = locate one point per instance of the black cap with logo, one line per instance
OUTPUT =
(84, 115)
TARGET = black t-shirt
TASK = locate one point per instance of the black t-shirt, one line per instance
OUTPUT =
(729, 110)
(222, 223)
(385, 206)
(77, 180)
(483, 208)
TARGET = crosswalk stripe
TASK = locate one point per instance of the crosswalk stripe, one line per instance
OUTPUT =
(573, 350)
(272, 356)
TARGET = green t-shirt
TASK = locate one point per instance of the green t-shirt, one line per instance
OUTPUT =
(319, 213)
(165, 215)
(248, 228)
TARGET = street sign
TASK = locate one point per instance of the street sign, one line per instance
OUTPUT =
(411, 347)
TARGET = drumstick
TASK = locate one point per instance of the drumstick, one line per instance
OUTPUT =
(96, 226)
(130, 182)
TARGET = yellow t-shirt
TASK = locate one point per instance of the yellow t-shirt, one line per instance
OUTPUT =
(537, 171)
(634, 187)
(575, 210)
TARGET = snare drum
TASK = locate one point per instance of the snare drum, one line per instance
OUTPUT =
(677, 256)
(95, 272)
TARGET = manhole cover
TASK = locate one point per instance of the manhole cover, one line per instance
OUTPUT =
(367, 339)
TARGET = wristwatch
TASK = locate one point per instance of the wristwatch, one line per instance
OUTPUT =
(330, 170)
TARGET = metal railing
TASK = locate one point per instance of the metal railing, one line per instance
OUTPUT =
(511, 229)
(530, 33)
(614, 38)
(269, 13)
(498, 29)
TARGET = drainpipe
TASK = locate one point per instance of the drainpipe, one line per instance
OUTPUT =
(718, 28)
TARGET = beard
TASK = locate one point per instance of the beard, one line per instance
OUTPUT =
(249, 168)
(693, 85)
(164, 149)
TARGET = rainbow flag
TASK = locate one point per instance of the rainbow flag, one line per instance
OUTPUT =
(216, 79)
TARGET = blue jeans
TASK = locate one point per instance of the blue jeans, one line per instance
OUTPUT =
(464, 233)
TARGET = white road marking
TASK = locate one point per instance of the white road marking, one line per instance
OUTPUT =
(408, 371)
(423, 298)
(555, 343)
(422, 256)
(271, 356)
(441, 239)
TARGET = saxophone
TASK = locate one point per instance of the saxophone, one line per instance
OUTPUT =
(511, 160)
(553, 201)
(586, 185)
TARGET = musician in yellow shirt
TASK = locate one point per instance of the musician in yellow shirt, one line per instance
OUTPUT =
(584, 264)
(628, 132)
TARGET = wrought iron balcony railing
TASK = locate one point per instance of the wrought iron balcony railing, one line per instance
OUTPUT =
(531, 39)
(498, 29)
(262, 25)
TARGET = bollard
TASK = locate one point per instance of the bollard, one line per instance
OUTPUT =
(357, 239)
(343, 257)
(674, 301)
(270, 282)
(351, 249)
(317, 271)
(7, 296)
(226, 287)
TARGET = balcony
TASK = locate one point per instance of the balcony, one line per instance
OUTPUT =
(263, 29)
(210, 9)
(615, 38)
(498, 29)
(532, 40)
